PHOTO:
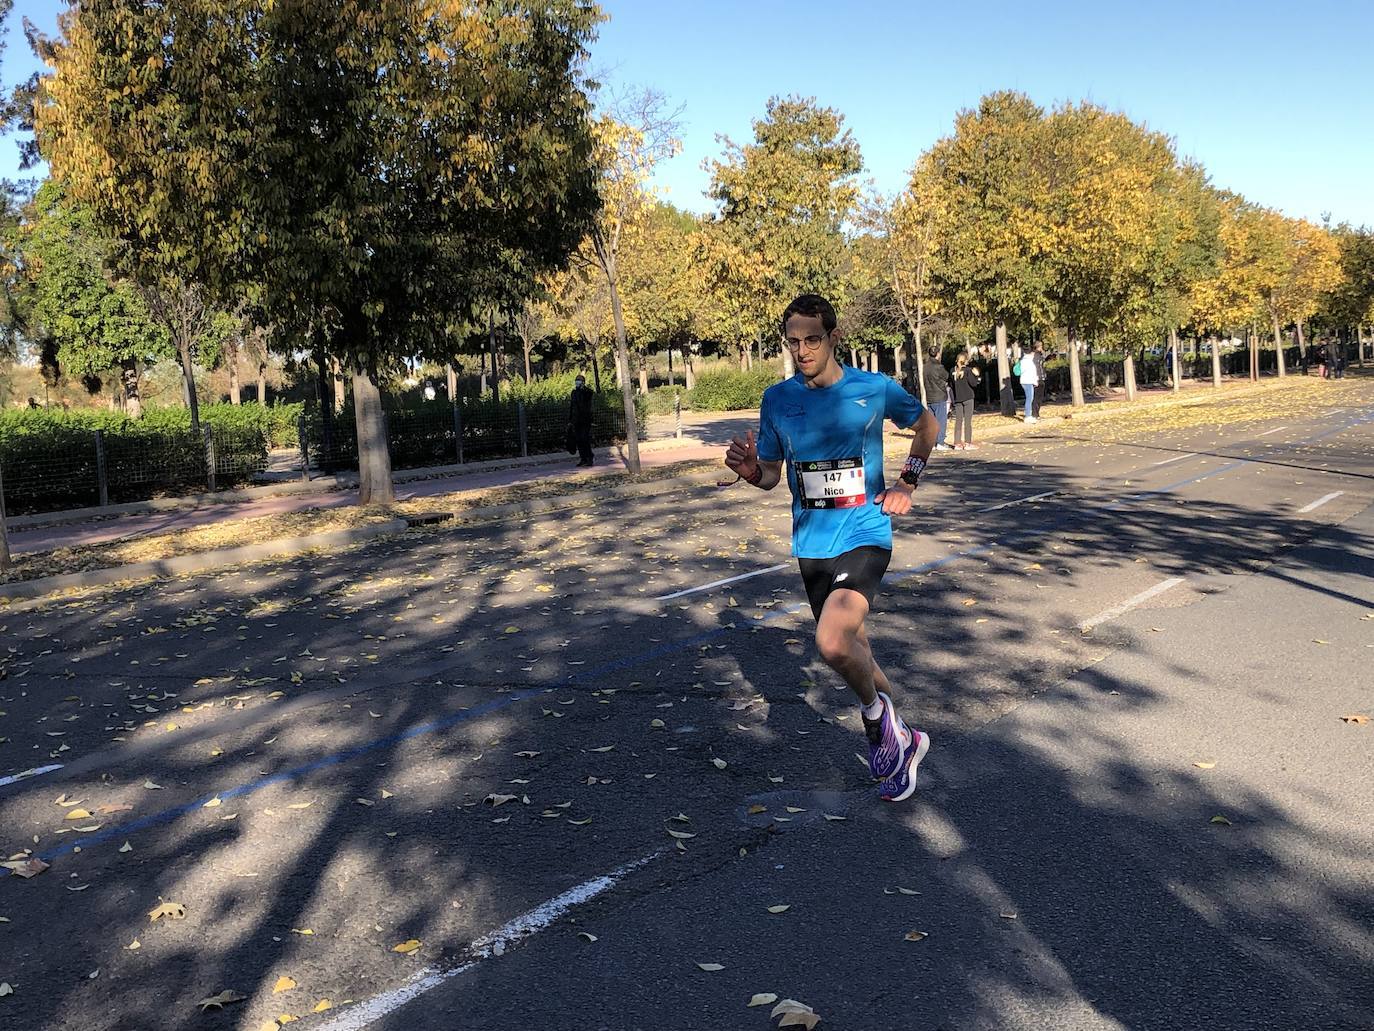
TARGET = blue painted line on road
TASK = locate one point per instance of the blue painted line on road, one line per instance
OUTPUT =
(497, 704)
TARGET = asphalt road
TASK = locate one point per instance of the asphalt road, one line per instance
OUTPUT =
(314, 756)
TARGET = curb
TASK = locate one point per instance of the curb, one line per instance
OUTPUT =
(322, 484)
(22, 594)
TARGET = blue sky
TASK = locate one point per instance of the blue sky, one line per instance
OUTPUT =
(1276, 99)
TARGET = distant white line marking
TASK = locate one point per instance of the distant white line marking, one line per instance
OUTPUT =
(719, 583)
(1019, 501)
(1176, 458)
(1276, 429)
(5, 781)
(1321, 501)
(358, 1017)
(1130, 603)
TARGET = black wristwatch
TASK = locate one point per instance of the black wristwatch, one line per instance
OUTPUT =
(911, 472)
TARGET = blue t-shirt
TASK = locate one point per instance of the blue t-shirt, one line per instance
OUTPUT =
(832, 440)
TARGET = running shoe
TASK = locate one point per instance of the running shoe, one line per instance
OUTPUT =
(888, 738)
(902, 784)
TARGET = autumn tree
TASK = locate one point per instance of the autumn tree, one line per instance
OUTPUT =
(1351, 301)
(378, 169)
(65, 290)
(1311, 270)
(660, 288)
(994, 234)
(631, 140)
(784, 199)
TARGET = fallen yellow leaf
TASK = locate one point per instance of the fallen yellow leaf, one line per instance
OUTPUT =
(322, 1005)
(915, 936)
(77, 814)
(284, 984)
(406, 947)
(763, 999)
(711, 968)
(779, 909)
(1357, 718)
(171, 910)
(1204, 765)
(1221, 820)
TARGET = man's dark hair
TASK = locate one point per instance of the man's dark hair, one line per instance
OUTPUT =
(812, 306)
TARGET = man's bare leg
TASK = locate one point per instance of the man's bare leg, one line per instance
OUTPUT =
(843, 644)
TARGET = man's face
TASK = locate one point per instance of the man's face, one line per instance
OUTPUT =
(580, 381)
(811, 346)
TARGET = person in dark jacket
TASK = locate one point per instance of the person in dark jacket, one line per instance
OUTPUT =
(1038, 356)
(935, 378)
(580, 421)
(966, 380)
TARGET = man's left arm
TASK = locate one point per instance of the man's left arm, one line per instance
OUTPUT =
(896, 499)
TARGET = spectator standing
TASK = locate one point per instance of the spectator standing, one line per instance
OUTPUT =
(1338, 358)
(1030, 378)
(966, 380)
(935, 379)
(1039, 357)
(580, 421)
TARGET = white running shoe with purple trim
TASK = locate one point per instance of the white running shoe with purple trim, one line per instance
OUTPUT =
(902, 784)
(888, 739)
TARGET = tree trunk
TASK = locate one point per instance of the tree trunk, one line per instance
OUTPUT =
(4, 530)
(592, 347)
(1003, 371)
(689, 372)
(374, 460)
(897, 360)
(1216, 363)
(1254, 354)
(622, 369)
(451, 382)
(671, 381)
(128, 381)
(918, 345)
(482, 367)
(1302, 339)
(1278, 345)
(495, 372)
(1359, 349)
(1128, 372)
(262, 384)
(234, 398)
(188, 382)
(853, 357)
(1075, 372)
(336, 369)
(643, 374)
(789, 367)
(1174, 359)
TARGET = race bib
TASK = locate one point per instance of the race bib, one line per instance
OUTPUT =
(833, 483)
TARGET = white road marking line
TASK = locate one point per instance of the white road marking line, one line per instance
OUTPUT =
(5, 781)
(1321, 501)
(1276, 429)
(719, 583)
(1019, 501)
(360, 1016)
(1176, 458)
(1130, 603)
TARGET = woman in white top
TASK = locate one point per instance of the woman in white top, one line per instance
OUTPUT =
(1030, 379)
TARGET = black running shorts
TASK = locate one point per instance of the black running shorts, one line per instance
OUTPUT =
(859, 570)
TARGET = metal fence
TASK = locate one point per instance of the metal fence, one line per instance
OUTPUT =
(71, 467)
(440, 434)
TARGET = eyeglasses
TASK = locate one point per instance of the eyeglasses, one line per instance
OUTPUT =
(811, 343)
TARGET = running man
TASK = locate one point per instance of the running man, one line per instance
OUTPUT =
(827, 423)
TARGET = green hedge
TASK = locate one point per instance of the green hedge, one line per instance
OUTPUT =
(422, 434)
(48, 456)
(732, 391)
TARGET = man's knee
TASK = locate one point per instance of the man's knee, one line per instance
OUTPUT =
(834, 644)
